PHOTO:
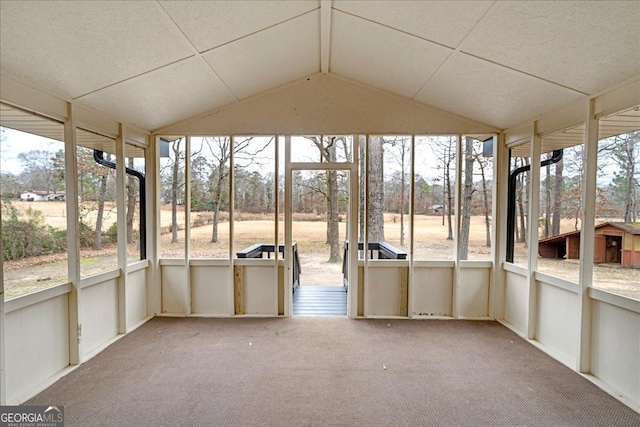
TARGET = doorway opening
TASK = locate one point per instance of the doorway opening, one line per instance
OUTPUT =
(320, 206)
(613, 252)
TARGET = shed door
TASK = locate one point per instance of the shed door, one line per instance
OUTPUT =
(613, 249)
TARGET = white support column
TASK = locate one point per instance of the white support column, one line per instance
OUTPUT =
(288, 216)
(231, 224)
(534, 208)
(412, 198)
(354, 183)
(276, 210)
(152, 190)
(187, 224)
(3, 399)
(122, 231)
(365, 240)
(73, 233)
(590, 158)
(456, 229)
(156, 226)
(498, 220)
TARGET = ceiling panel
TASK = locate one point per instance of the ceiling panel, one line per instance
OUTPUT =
(491, 94)
(208, 24)
(278, 55)
(445, 22)
(382, 57)
(164, 96)
(616, 124)
(586, 46)
(75, 47)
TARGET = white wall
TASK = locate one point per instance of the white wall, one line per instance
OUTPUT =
(36, 343)
(173, 281)
(432, 289)
(136, 295)
(473, 289)
(99, 314)
(557, 324)
(516, 298)
(211, 289)
(615, 343)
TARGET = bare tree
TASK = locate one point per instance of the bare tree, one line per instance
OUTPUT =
(131, 202)
(178, 156)
(399, 149)
(375, 174)
(467, 195)
(558, 187)
(445, 152)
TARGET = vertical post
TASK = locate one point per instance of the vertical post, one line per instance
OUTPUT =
(498, 217)
(276, 210)
(187, 224)
(534, 207)
(288, 217)
(590, 158)
(73, 241)
(412, 198)
(152, 191)
(157, 271)
(354, 200)
(3, 398)
(456, 229)
(121, 207)
(365, 243)
(232, 306)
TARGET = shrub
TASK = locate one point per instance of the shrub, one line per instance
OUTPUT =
(27, 235)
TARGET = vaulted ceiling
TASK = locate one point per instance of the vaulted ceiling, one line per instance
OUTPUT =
(155, 63)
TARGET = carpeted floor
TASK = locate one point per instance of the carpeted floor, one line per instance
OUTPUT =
(328, 371)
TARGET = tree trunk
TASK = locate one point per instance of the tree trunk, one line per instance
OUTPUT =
(487, 209)
(449, 198)
(402, 190)
(131, 202)
(630, 202)
(101, 195)
(174, 191)
(333, 224)
(465, 225)
(547, 203)
(557, 199)
(375, 213)
(216, 203)
(361, 160)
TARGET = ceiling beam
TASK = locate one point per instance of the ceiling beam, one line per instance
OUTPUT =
(325, 35)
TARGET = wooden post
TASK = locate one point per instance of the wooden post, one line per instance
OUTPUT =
(288, 217)
(73, 237)
(456, 228)
(534, 207)
(590, 172)
(154, 285)
(238, 289)
(412, 200)
(121, 207)
(498, 218)
(354, 183)
(187, 224)
(231, 223)
(276, 234)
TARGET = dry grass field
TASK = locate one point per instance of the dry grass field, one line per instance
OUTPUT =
(430, 244)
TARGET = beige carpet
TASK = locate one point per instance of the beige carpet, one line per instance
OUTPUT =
(328, 371)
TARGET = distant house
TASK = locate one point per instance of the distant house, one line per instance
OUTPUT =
(437, 208)
(42, 196)
(31, 196)
(614, 243)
